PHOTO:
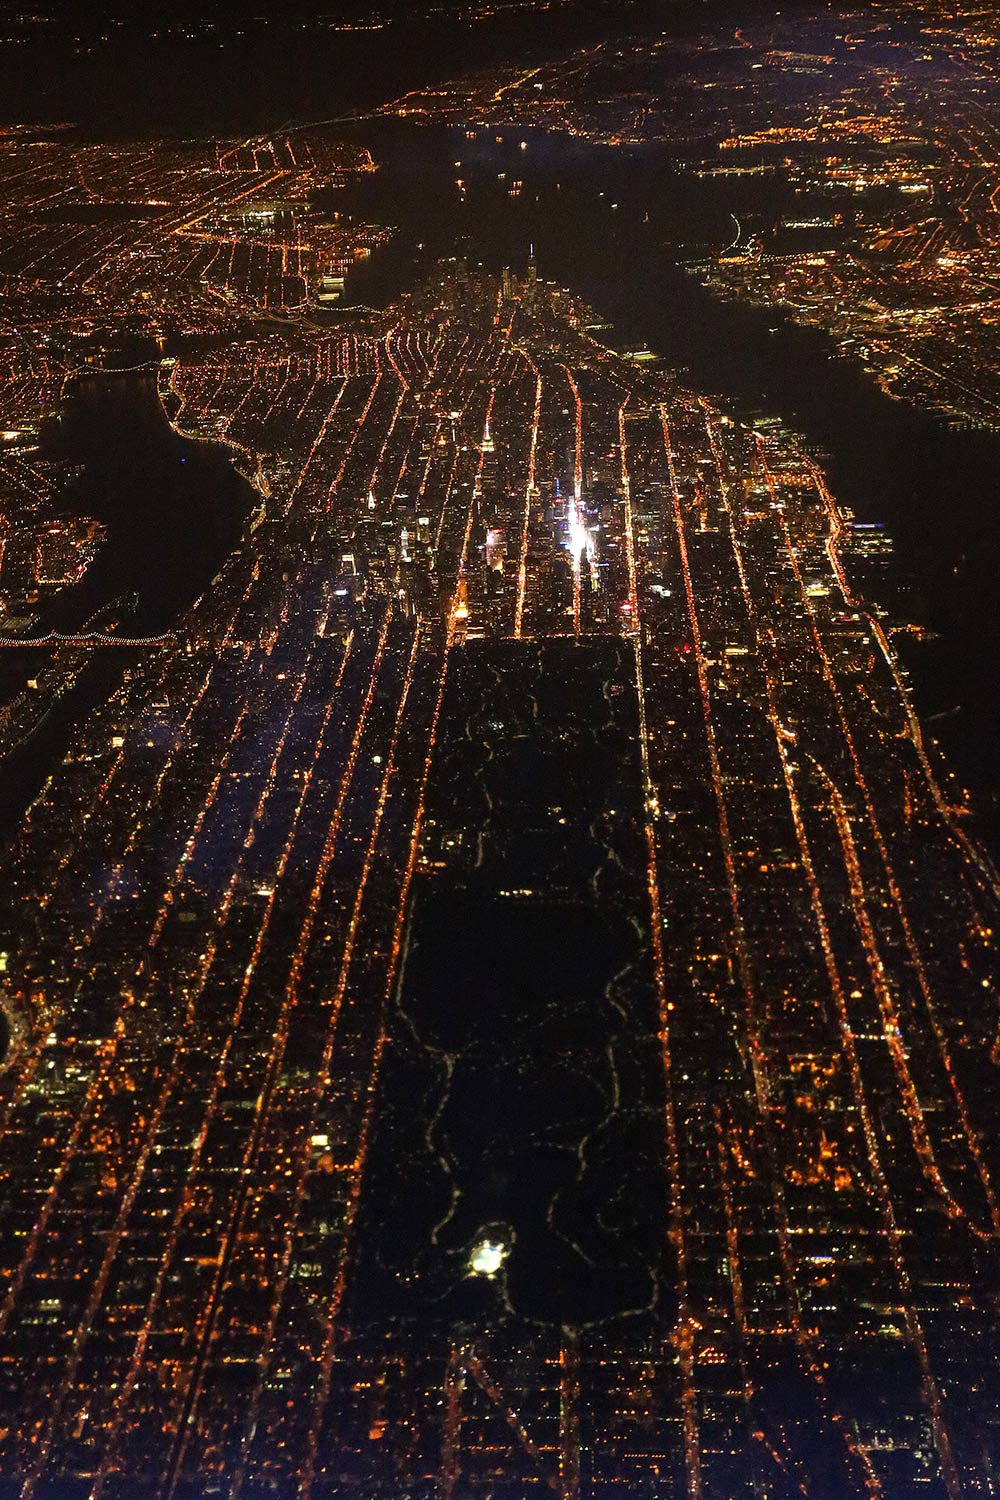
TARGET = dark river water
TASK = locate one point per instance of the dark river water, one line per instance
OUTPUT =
(173, 510)
(620, 228)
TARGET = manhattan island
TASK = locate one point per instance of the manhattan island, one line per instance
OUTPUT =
(504, 994)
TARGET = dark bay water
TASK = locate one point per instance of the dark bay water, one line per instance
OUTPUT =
(619, 227)
(200, 68)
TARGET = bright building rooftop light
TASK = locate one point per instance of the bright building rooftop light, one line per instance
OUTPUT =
(487, 1257)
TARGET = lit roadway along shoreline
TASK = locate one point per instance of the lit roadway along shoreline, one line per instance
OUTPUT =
(206, 925)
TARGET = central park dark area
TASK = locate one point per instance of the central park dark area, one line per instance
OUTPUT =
(524, 1081)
